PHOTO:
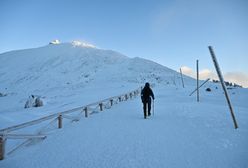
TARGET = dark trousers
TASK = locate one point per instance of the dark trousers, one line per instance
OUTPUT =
(145, 105)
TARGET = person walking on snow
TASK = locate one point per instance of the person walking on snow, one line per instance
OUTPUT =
(146, 95)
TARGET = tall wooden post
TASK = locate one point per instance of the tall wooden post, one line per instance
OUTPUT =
(2, 147)
(197, 79)
(60, 121)
(86, 112)
(223, 85)
(182, 76)
(101, 106)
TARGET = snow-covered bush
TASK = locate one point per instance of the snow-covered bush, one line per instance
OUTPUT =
(33, 101)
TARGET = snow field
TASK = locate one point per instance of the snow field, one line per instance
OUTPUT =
(182, 133)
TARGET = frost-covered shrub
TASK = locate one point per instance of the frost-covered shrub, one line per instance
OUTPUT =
(33, 101)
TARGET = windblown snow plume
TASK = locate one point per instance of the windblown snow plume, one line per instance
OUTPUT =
(77, 43)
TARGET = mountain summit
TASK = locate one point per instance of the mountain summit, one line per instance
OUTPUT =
(75, 64)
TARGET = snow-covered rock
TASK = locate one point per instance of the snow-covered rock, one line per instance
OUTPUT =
(2, 94)
(33, 101)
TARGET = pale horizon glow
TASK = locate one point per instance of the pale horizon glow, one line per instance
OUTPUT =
(234, 77)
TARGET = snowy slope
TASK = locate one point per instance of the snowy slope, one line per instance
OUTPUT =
(182, 133)
(66, 65)
(68, 75)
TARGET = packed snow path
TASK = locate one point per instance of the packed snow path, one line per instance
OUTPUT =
(182, 133)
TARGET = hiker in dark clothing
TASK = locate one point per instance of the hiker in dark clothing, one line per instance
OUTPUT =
(146, 95)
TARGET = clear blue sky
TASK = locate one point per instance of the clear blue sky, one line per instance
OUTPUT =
(172, 33)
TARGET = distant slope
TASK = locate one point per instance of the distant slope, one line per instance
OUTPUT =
(69, 75)
(70, 65)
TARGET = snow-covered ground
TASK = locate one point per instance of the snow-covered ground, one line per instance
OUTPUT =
(182, 132)
(67, 76)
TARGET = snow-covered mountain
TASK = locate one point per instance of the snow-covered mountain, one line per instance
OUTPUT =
(64, 73)
(181, 133)
(72, 65)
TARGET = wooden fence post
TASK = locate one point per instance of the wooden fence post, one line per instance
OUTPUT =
(60, 121)
(2, 147)
(126, 97)
(223, 85)
(197, 76)
(101, 105)
(86, 112)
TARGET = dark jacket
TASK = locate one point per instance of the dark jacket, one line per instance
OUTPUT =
(146, 93)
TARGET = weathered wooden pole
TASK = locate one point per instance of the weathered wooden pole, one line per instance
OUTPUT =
(2, 147)
(60, 121)
(223, 85)
(197, 79)
(86, 112)
(101, 106)
(182, 77)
